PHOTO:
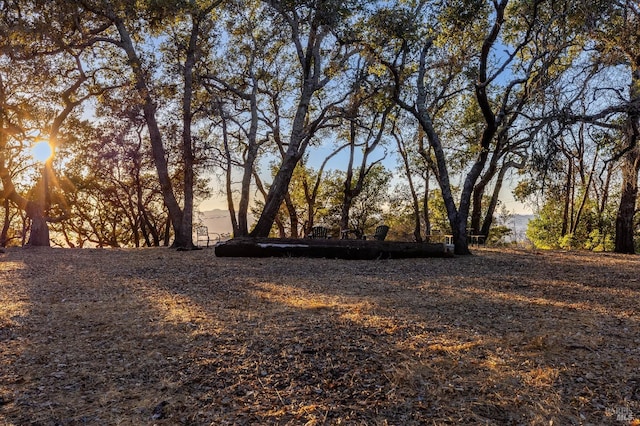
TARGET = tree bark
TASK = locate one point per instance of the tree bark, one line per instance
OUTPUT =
(568, 201)
(4, 234)
(39, 231)
(457, 222)
(229, 177)
(184, 236)
(457, 215)
(624, 242)
(625, 228)
(276, 195)
(585, 195)
(280, 184)
(349, 192)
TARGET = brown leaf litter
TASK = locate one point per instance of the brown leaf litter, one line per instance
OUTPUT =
(155, 336)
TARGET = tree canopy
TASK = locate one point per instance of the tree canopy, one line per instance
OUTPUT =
(296, 110)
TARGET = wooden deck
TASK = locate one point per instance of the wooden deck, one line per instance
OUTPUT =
(330, 248)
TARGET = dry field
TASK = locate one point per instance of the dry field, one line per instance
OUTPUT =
(155, 336)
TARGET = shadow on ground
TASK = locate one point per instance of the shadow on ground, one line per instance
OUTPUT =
(162, 337)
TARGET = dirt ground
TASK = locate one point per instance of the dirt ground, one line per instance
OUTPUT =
(155, 336)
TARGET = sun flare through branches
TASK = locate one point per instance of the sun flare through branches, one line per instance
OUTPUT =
(42, 151)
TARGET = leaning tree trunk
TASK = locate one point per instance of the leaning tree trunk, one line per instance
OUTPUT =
(491, 208)
(348, 191)
(249, 164)
(345, 209)
(313, 78)
(245, 191)
(458, 226)
(417, 228)
(275, 196)
(235, 225)
(568, 201)
(294, 153)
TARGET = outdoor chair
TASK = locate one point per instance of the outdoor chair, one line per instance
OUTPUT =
(319, 232)
(381, 233)
(202, 234)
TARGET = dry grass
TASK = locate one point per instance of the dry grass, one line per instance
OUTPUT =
(156, 336)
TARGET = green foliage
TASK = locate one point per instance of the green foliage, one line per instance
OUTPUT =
(400, 215)
(301, 194)
(392, 23)
(438, 211)
(461, 13)
(545, 229)
(459, 22)
(524, 189)
(367, 208)
(594, 232)
(244, 48)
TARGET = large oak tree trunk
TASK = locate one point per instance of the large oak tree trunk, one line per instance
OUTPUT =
(626, 211)
(630, 165)
(4, 234)
(309, 48)
(252, 155)
(39, 233)
(458, 215)
(35, 210)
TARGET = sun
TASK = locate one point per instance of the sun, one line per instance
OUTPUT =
(42, 151)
